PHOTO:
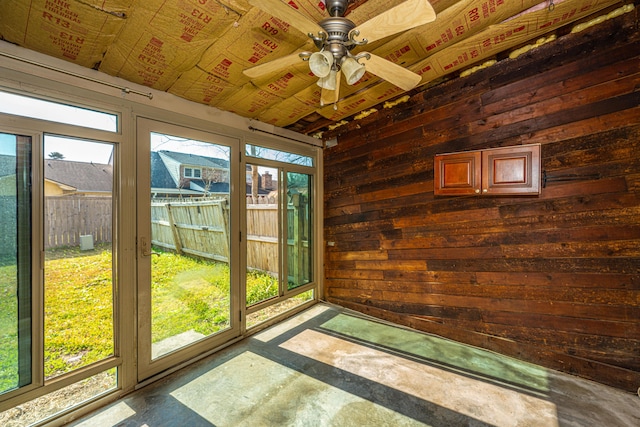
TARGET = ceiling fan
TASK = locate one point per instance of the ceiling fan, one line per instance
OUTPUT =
(336, 36)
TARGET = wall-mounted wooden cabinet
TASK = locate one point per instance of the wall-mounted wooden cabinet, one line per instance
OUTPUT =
(497, 171)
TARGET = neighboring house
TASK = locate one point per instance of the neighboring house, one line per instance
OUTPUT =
(267, 186)
(176, 174)
(7, 175)
(64, 177)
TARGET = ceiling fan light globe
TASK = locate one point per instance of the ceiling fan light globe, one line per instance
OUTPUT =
(353, 70)
(320, 63)
(328, 82)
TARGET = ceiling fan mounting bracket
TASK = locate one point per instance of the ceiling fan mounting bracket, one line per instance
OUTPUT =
(337, 7)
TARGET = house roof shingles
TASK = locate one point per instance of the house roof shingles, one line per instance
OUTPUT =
(189, 159)
(163, 178)
(160, 176)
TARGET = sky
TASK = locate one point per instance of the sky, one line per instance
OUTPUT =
(72, 149)
(7, 144)
(78, 150)
(184, 145)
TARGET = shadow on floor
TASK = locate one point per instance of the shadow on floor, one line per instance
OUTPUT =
(331, 367)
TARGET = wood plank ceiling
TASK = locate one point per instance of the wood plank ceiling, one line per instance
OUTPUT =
(197, 49)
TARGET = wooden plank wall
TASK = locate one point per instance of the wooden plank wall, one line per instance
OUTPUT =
(553, 279)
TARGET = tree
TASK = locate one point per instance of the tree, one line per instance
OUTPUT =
(56, 155)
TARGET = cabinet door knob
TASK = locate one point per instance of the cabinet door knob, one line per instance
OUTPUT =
(477, 191)
(485, 190)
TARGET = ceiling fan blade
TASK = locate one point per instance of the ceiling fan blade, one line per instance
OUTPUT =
(330, 96)
(272, 66)
(391, 72)
(288, 14)
(407, 15)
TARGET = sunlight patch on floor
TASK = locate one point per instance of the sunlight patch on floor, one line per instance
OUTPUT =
(450, 354)
(457, 392)
(253, 390)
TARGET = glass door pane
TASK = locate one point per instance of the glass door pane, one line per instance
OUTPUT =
(79, 260)
(299, 228)
(184, 245)
(263, 235)
(190, 289)
(15, 262)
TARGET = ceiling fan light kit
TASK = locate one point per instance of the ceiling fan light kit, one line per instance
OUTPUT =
(352, 70)
(321, 63)
(335, 42)
(328, 82)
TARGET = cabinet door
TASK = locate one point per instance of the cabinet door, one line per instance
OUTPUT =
(511, 170)
(457, 174)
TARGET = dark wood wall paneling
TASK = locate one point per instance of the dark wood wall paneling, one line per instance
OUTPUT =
(554, 279)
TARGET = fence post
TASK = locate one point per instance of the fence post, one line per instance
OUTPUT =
(174, 230)
(297, 239)
(223, 205)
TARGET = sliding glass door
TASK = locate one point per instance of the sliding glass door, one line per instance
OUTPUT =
(59, 281)
(15, 263)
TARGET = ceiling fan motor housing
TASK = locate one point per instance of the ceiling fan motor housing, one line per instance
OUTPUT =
(336, 41)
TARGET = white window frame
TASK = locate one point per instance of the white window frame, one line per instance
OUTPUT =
(76, 86)
(36, 129)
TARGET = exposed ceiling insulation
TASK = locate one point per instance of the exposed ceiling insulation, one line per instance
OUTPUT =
(198, 49)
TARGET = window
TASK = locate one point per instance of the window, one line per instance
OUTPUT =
(193, 173)
(279, 233)
(72, 195)
(281, 156)
(47, 110)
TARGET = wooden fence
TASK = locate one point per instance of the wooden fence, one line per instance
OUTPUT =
(198, 228)
(69, 217)
(262, 237)
(201, 228)
(194, 227)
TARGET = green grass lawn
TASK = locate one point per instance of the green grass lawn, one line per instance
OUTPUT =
(78, 309)
(8, 328)
(188, 294)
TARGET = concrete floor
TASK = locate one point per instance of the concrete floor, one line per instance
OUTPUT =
(328, 367)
